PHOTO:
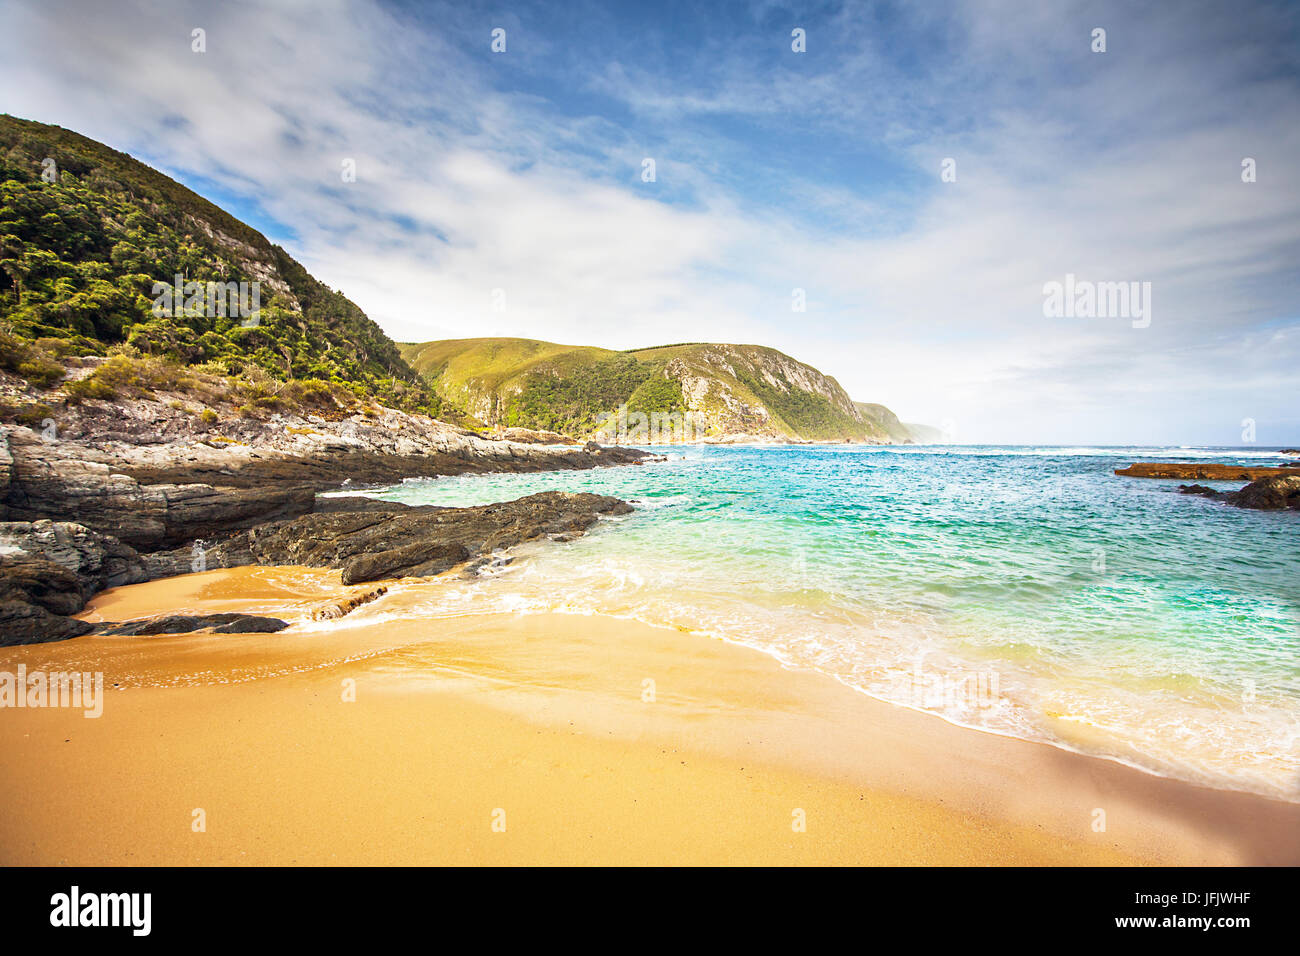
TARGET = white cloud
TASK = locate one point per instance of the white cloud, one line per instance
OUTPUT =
(923, 295)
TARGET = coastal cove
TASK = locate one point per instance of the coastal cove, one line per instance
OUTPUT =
(1108, 615)
(1048, 611)
(507, 739)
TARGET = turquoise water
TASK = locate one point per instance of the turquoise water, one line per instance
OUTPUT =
(1026, 591)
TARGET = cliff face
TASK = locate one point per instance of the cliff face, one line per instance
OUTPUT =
(700, 391)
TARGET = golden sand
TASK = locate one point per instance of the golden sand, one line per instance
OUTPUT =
(541, 739)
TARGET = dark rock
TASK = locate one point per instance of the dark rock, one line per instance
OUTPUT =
(23, 622)
(229, 623)
(49, 569)
(147, 506)
(49, 479)
(379, 543)
(1198, 490)
(1268, 494)
(414, 560)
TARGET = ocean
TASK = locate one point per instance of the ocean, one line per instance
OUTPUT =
(1025, 591)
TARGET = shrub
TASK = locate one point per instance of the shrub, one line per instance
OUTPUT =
(31, 415)
(208, 416)
(41, 372)
(87, 388)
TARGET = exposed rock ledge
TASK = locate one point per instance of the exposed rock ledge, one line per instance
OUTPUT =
(377, 540)
(49, 569)
(93, 507)
(1270, 488)
(1274, 493)
(1204, 471)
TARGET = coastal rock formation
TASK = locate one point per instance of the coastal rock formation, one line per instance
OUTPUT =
(1204, 471)
(380, 540)
(36, 598)
(229, 623)
(1272, 493)
(331, 612)
(70, 481)
(115, 497)
(49, 569)
(1268, 494)
(153, 443)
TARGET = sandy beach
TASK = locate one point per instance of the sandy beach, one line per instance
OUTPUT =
(550, 738)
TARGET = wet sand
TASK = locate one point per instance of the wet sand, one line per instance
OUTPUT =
(565, 739)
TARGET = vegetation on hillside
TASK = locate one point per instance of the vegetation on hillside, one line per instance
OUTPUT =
(85, 234)
(737, 389)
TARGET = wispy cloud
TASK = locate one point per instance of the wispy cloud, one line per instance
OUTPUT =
(522, 172)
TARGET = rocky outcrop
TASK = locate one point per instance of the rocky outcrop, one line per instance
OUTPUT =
(49, 569)
(50, 479)
(379, 540)
(89, 507)
(153, 444)
(36, 598)
(1271, 493)
(1204, 471)
(1268, 494)
(338, 609)
(229, 623)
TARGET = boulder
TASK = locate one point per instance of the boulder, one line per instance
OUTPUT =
(1268, 494)
(229, 623)
(49, 569)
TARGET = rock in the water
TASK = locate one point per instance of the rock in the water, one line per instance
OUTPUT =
(332, 611)
(186, 624)
(1202, 470)
(1203, 490)
(1268, 494)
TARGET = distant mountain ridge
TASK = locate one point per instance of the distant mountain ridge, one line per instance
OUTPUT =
(723, 392)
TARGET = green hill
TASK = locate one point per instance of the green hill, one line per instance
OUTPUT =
(717, 391)
(88, 237)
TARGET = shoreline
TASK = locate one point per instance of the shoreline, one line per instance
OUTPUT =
(548, 712)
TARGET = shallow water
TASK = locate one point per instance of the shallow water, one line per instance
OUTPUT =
(1027, 591)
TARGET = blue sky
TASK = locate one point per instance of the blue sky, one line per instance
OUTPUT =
(776, 170)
